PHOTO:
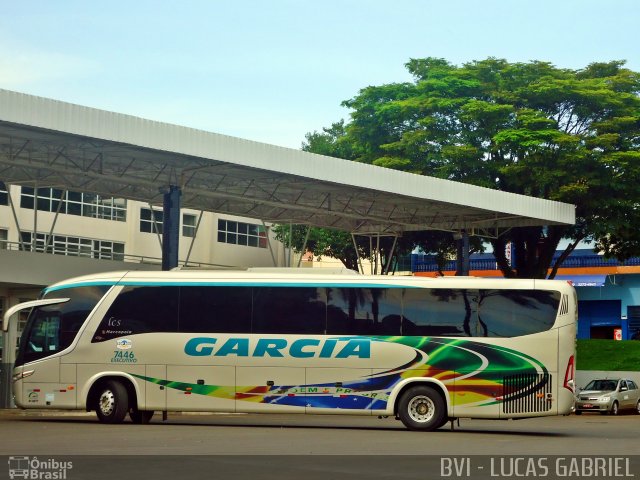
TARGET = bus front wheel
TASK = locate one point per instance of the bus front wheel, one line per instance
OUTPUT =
(112, 402)
(422, 408)
(140, 416)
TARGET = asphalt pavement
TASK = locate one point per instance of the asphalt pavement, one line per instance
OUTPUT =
(291, 446)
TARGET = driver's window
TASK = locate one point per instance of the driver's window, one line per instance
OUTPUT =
(45, 334)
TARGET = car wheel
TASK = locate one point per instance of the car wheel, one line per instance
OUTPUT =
(578, 412)
(422, 408)
(112, 402)
(140, 416)
(638, 407)
(614, 408)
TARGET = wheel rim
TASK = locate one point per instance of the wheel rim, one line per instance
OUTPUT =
(614, 410)
(421, 409)
(107, 402)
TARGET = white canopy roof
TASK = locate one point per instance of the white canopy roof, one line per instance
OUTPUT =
(56, 144)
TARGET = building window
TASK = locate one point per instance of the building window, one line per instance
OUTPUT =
(74, 246)
(3, 240)
(239, 233)
(189, 225)
(4, 194)
(147, 219)
(74, 203)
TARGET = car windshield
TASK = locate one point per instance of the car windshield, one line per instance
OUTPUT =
(602, 385)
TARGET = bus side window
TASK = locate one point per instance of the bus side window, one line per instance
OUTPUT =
(215, 309)
(364, 311)
(289, 310)
(511, 313)
(140, 310)
(386, 311)
(440, 311)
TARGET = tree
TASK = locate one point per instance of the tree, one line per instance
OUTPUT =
(324, 242)
(335, 142)
(529, 128)
(321, 242)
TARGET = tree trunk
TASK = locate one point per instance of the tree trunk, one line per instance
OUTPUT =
(531, 251)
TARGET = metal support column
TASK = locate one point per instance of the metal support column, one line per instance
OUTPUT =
(304, 245)
(355, 246)
(266, 230)
(387, 265)
(462, 260)
(193, 240)
(171, 227)
(49, 238)
(15, 218)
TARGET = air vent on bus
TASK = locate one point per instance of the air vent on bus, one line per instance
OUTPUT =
(527, 393)
(564, 305)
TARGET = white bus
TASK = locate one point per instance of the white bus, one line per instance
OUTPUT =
(421, 350)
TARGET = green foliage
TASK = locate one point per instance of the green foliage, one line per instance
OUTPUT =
(608, 355)
(527, 128)
(331, 142)
(322, 242)
(339, 244)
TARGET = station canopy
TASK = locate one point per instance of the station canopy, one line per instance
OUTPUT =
(48, 143)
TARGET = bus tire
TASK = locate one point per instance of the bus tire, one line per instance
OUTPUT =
(444, 422)
(112, 402)
(422, 408)
(140, 416)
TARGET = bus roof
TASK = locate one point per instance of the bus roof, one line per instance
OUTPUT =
(297, 277)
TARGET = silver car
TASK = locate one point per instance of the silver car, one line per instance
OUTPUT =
(608, 395)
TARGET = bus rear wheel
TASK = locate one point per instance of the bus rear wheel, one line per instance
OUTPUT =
(112, 402)
(422, 408)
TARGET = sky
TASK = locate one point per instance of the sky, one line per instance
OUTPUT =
(275, 70)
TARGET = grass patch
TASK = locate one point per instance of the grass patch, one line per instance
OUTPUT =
(608, 355)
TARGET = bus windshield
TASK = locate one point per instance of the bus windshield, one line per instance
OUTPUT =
(52, 328)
